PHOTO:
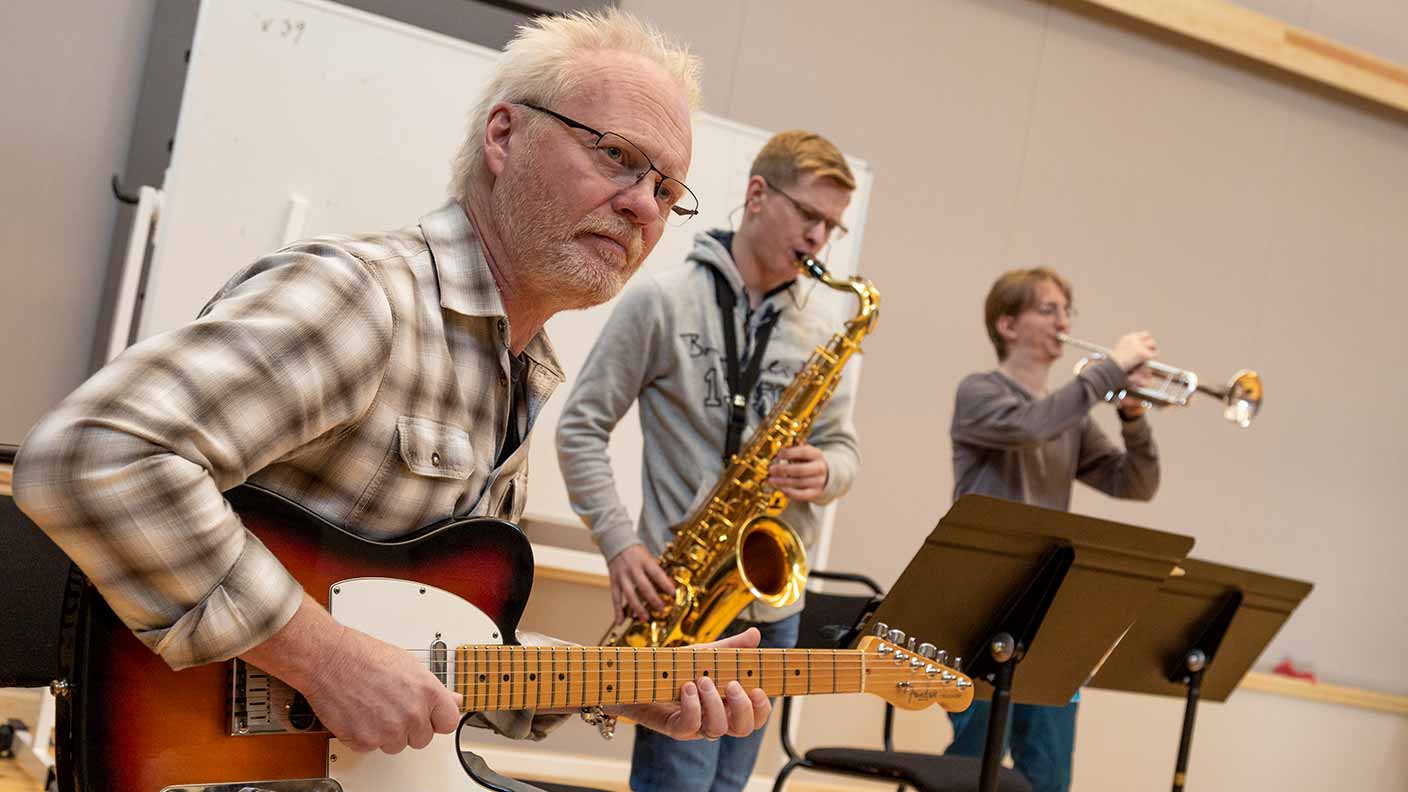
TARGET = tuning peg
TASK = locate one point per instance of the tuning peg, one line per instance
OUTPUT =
(957, 664)
(928, 651)
(896, 637)
(910, 644)
(964, 683)
(881, 629)
(942, 657)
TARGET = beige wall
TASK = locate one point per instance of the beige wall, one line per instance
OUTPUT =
(1248, 219)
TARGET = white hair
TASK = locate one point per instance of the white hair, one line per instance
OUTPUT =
(542, 65)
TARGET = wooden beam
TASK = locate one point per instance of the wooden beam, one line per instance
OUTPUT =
(1280, 685)
(1273, 42)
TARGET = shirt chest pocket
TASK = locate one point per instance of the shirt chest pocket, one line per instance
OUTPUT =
(434, 449)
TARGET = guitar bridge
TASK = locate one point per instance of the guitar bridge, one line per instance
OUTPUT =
(261, 704)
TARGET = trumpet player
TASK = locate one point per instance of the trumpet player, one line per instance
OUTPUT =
(1015, 437)
(667, 346)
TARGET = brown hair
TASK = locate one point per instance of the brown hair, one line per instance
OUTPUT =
(1014, 292)
(790, 154)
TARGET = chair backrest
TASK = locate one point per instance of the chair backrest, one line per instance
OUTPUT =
(829, 619)
(34, 576)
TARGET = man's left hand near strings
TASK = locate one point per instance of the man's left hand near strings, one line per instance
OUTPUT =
(703, 710)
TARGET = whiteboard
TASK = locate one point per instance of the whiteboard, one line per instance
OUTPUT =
(303, 117)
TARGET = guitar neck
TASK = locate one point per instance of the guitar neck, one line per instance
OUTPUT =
(541, 677)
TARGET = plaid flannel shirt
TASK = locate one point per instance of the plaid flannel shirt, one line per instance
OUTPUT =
(367, 378)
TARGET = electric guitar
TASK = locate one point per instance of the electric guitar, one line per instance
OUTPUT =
(452, 593)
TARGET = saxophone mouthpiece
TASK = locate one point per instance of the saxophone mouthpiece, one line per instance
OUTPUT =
(810, 265)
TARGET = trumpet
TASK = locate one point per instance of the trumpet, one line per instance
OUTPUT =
(1241, 396)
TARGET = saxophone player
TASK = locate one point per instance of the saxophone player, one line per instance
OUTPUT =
(1014, 437)
(667, 345)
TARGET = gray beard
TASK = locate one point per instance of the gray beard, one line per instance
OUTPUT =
(545, 259)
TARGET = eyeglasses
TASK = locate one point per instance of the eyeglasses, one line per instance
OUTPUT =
(835, 229)
(624, 165)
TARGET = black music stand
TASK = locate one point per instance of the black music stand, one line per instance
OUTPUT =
(1199, 638)
(994, 573)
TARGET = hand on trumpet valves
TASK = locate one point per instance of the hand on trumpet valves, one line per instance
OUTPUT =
(1134, 350)
(799, 472)
(1132, 407)
(638, 582)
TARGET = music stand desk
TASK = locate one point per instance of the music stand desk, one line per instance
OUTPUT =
(1061, 588)
(1204, 630)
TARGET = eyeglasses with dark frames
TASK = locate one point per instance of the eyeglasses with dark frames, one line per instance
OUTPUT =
(625, 165)
(835, 229)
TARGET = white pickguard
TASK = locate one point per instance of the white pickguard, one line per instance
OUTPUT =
(410, 615)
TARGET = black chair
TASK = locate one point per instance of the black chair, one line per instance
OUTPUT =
(830, 621)
(34, 576)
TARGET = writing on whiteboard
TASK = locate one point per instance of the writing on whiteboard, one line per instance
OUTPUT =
(285, 28)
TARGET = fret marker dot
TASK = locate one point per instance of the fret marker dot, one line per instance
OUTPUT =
(532, 677)
(797, 672)
(483, 677)
(561, 677)
(608, 688)
(505, 677)
(750, 672)
(664, 674)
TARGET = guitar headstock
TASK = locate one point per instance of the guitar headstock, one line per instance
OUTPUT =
(912, 678)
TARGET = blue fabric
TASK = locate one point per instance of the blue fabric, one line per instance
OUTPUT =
(661, 764)
(1042, 740)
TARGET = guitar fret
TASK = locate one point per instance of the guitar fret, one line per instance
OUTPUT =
(513, 678)
(767, 675)
(617, 698)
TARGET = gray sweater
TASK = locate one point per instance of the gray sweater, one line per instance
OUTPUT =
(663, 346)
(1008, 445)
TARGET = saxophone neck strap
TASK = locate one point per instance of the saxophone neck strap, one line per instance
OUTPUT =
(739, 385)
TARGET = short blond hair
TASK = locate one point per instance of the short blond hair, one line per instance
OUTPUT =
(1014, 292)
(788, 155)
(542, 65)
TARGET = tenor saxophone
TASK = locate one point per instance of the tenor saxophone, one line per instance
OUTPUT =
(733, 548)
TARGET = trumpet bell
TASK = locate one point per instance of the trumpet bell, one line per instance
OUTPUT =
(1244, 394)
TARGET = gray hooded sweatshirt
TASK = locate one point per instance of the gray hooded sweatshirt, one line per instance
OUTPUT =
(663, 346)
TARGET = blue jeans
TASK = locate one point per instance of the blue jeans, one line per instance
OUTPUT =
(1042, 740)
(663, 764)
